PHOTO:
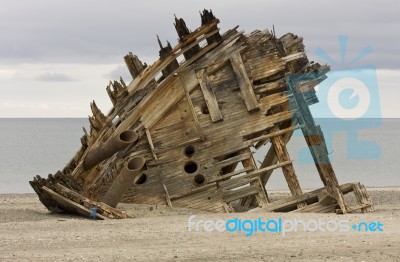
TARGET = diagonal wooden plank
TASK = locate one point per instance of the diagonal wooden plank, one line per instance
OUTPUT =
(69, 204)
(244, 82)
(209, 95)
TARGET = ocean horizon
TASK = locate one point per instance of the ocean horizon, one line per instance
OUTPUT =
(40, 146)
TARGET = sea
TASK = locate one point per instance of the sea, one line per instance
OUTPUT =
(367, 152)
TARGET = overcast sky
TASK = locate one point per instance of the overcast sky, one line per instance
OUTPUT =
(57, 56)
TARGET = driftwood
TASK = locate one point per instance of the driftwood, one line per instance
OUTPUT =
(178, 130)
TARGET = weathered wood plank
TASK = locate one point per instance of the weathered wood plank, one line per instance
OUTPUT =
(71, 205)
(167, 197)
(316, 142)
(316, 208)
(151, 144)
(267, 137)
(294, 56)
(232, 195)
(191, 191)
(291, 203)
(209, 96)
(237, 181)
(261, 196)
(134, 65)
(363, 199)
(231, 174)
(227, 162)
(150, 72)
(288, 170)
(244, 82)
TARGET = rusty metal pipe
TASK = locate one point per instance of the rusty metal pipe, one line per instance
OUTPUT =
(124, 180)
(107, 149)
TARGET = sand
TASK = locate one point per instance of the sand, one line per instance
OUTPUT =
(29, 232)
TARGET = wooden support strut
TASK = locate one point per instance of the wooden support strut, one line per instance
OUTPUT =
(316, 143)
(288, 170)
(261, 196)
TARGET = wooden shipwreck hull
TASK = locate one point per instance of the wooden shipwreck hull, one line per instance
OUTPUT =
(178, 132)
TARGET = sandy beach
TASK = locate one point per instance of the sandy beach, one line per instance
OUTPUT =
(29, 232)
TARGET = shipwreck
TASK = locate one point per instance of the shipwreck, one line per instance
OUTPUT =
(179, 130)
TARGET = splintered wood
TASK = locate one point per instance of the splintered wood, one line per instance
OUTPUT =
(195, 124)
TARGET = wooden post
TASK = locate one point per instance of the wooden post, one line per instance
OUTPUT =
(135, 66)
(164, 52)
(207, 17)
(183, 31)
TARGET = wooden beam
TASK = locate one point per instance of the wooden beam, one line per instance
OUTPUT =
(244, 82)
(209, 95)
(69, 204)
(294, 56)
(315, 141)
(227, 162)
(261, 196)
(265, 138)
(151, 144)
(291, 203)
(288, 170)
(316, 208)
(234, 182)
(196, 119)
(102, 208)
(150, 72)
(271, 158)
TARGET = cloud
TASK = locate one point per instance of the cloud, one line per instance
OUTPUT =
(53, 77)
(66, 40)
(73, 31)
(119, 71)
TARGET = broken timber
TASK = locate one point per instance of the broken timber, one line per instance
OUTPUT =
(178, 130)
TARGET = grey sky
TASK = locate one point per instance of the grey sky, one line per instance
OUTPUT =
(46, 38)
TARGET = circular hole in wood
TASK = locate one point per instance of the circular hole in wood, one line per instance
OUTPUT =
(141, 179)
(128, 136)
(189, 150)
(136, 163)
(199, 179)
(204, 109)
(190, 167)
